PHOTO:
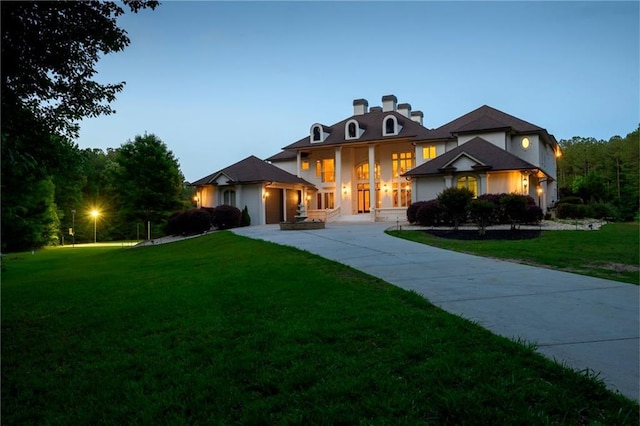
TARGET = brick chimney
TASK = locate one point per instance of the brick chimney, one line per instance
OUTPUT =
(360, 106)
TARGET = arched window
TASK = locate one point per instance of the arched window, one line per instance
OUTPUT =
(389, 126)
(229, 197)
(469, 182)
(362, 171)
(316, 134)
(352, 130)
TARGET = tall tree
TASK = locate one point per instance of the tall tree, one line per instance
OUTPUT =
(49, 53)
(148, 180)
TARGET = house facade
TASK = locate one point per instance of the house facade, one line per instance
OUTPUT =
(373, 164)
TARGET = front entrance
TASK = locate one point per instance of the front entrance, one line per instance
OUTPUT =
(364, 198)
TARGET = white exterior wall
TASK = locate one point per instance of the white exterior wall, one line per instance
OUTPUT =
(530, 155)
(499, 139)
(251, 196)
(427, 188)
(464, 164)
(440, 149)
(290, 166)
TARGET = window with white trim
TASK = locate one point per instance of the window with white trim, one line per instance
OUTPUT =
(229, 197)
(325, 170)
(402, 162)
(429, 152)
(469, 182)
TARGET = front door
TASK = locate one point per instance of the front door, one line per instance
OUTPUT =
(364, 198)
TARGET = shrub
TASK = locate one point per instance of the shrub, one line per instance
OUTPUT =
(198, 221)
(533, 214)
(515, 208)
(499, 215)
(481, 212)
(429, 213)
(412, 211)
(175, 223)
(194, 221)
(226, 217)
(571, 200)
(454, 203)
(245, 220)
(573, 211)
(603, 210)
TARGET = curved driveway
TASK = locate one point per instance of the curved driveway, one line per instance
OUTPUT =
(583, 322)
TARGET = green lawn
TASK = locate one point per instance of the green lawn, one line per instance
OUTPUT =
(612, 252)
(226, 330)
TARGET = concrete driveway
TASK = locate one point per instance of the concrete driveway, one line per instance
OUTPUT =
(583, 322)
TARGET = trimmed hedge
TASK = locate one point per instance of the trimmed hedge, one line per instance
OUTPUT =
(189, 222)
(226, 217)
(511, 208)
(429, 213)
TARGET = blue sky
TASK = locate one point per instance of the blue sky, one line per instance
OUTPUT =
(219, 81)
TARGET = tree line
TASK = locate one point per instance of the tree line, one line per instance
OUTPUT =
(602, 173)
(133, 185)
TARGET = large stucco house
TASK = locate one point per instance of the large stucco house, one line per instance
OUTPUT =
(373, 164)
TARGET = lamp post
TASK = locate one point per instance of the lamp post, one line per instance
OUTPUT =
(539, 191)
(95, 214)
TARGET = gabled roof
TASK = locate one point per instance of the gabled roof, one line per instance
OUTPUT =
(251, 170)
(483, 119)
(372, 124)
(489, 156)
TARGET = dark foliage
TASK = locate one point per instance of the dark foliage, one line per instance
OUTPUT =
(226, 217)
(430, 213)
(246, 219)
(412, 211)
(571, 200)
(573, 211)
(189, 222)
(482, 213)
(455, 203)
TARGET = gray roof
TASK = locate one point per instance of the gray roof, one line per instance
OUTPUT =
(490, 156)
(483, 119)
(371, 123)
(252, 170)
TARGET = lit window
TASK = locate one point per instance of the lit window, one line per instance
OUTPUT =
(305, 164)
(429, 152)
(402, 162)
(470, 183)
(362, 171)
(328, 200)
(401, 194)
(325, 170)
(525, 143)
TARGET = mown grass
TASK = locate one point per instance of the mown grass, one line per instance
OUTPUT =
(226, 330)
(612, 252)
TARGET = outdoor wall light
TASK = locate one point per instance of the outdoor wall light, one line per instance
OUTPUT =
(386, 189)
(344, 189)
(539, 190)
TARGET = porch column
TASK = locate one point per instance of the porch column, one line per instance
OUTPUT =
(263, 206)
(483, 184)
(239, 197)
(283, 191)
(298, 163)
(447, 181)
(373, 197)
(338, 171)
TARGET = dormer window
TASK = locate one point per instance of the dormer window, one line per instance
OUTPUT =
(318, 133)
(390, 126)
(352, 130)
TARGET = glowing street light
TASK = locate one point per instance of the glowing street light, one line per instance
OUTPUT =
(95, 214)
